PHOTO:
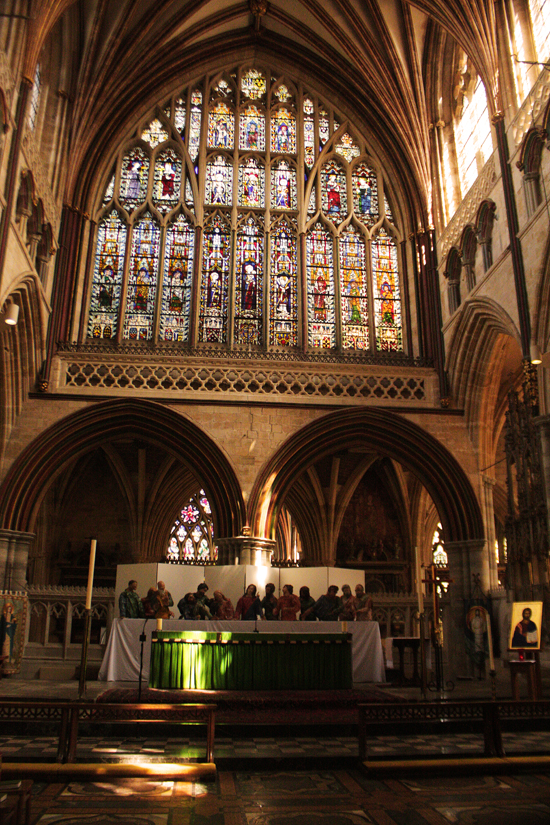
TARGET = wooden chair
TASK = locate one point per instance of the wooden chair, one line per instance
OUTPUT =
(19, 794)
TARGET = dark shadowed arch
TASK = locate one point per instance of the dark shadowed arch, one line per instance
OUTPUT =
(37, 466)
(388, 434)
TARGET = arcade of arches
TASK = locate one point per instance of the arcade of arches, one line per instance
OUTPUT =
(286, 265)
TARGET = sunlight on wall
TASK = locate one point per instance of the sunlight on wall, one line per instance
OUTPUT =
(473, 139)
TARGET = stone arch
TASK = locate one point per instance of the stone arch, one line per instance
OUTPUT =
(37, 466)
(378, 431)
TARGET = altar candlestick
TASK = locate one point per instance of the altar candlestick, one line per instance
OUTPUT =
(93, 546)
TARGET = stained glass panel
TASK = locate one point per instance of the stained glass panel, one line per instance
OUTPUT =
(283, 301)
(347, 148)
(320, 288)
(251, 183)
(195, 117)
(167, 181)
(249, 283)
(219, 181)
(107, 280)
(387, 303)
(178, 277)
(221, 127)
(180, 112)
(252, 129)
(283, 132)
(142, 280)
(155, 133)
(192, 534)
(353, 290)
(388, 211)
(324, 126)
(365, 194)
(133, 178)
(333, 191)
(223, 89)
(283, 186)
(109, 192)
(312, 205)
(282, 94)
(216, 255)
(309, 132)
(189, 200)
(253, 84)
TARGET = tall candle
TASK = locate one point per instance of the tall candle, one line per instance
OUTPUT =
(93, 546)
(159, 624)
(419, 592)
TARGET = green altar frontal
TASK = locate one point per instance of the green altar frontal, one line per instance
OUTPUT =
(250, 661)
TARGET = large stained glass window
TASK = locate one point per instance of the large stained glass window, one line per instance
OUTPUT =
(245, 213)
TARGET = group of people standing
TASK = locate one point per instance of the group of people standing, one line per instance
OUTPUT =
(287, 608)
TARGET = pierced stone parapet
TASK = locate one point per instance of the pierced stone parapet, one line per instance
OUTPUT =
(533, 105)
(349, 381)
(467, 211)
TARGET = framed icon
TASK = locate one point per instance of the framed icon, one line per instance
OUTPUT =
(526, 626)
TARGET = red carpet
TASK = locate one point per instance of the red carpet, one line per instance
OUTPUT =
(273, 707)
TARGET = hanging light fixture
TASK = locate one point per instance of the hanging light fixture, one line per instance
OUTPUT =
(11, 314)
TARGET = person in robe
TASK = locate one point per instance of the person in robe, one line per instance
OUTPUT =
(282, 199)
(319, 298)
(251, 188)
(9, 629)
(333, 195)
(168, 179)
(353, 293)
(133, 185)
(306, 601)
(221, 607)
(129, 603)
(288, 605)
(106, 287)
(161, 601)
(252, 135)
(386, 303)
(188, 608)
(249, 286)
(203, 602)
(269, 603)
(143, 281)
(282, 137)
(349, 605)
(282, 306)
(365, 196)
(176, 299)
(327, 608)
(213, 299)
(525, 632)
(249, 608)
(365, 605)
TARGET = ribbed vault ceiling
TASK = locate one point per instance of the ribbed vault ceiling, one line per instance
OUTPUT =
(369, 55)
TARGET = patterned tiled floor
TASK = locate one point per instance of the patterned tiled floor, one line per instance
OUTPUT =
(335, 796)
(264, 747)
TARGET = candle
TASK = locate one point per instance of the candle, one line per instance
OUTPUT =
(419, 592)
(490, 642)
(93, 546)
(159, 624)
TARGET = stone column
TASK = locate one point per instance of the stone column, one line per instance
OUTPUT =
(465, 559)
(14, 556)
(489, 520)
(245, 550)
(543, 424)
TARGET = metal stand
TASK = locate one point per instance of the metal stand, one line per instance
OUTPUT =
(439, 685)
(84, 655)
(142, 639)
(423, 667)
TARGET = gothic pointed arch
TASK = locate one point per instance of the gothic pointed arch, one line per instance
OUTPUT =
(30, 476)
(387, 434)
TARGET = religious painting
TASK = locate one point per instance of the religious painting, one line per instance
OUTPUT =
(13, 618)
(365, 194)
(251, 183)
(167, 181)
(283, 186)
(525, 629)
(252, 129)
(221, 126)
(333, 191)
(283, 131)
(476, 632)
(133, 178)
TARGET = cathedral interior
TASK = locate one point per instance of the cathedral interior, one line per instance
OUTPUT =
(274, 284)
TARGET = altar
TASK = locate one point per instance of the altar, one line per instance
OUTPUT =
(198, 660)
(121, 661)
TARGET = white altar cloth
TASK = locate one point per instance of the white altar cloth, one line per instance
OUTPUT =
(122, 654)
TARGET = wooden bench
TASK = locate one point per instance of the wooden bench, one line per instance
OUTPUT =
(68, 715)
(487, 716)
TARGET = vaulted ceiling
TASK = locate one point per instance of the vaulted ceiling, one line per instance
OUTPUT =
(371, 57)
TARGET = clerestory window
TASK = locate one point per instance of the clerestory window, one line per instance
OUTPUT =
(247, 212)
